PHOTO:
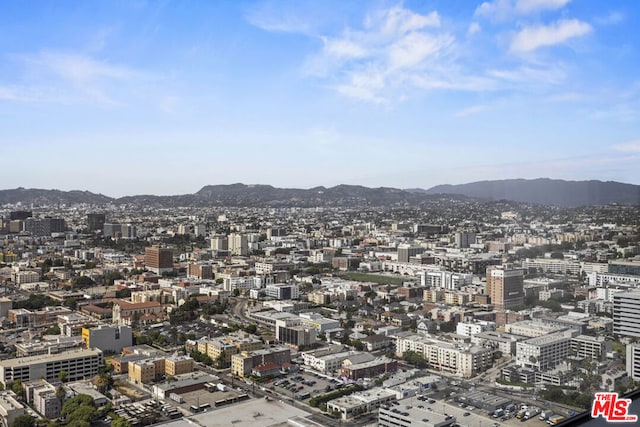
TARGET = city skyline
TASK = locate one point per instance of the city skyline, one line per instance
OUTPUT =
(166, 97)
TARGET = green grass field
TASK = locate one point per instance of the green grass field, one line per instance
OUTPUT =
(376, 278)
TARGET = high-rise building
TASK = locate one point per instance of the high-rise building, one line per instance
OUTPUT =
(129, 231)
(220, 243)
(505, 286)
(112, 229)
(95, 222)
(14, 215)
(238, 244)
(44, 226)
(464, 239)
(406, 251)
(626, 314)
(158, 260)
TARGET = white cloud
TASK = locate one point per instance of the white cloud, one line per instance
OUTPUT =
(612, 18)
(501, 10)
(343, 48)
(527, 6)
(498, 9)
(63, 77)
(532, 38)
(365, 85)
(474, 28)
(376, 63)
(629, 147)
(397, 50)
(398, 20)
(470, 111)
(543, 74)
(278, 19)
(80, 68)
(414, 48)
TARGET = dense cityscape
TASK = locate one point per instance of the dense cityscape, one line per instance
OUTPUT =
(319, 213)
(463, 313)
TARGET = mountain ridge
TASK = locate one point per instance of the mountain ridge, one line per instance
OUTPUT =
(543, 191)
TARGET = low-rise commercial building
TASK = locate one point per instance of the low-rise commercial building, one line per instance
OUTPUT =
(108, 338)
(10, 409)
(243, 363)
(360, 402)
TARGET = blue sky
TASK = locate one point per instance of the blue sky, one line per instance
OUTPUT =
(164, 97)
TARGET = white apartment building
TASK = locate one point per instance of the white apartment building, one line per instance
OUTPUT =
(327, 363)
(544, 352)
(465, 360)
(283, 291)
(473, 328)
(550, 265)
(601, 279)
(444, 279)
(530, 328)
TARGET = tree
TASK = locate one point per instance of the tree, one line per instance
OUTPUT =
(16, 387)
(102, 382)
(61, 393)
(80, 411)
(358, 345)
(120, 422)
(250, 328)
(72, 303)
(63, 375)
(221, 360)
(83, 282)
(54, 330)
(236, 292)
(24, 421)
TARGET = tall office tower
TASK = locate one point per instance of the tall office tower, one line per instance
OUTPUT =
(20, 215)
(129, 231)
(112, 229)
(406, 251)
(464, 239)
(44, 226)
(505, 286)
(626, 313)
(158, 260)
(95, 222)
(220, 243)
(238, 244)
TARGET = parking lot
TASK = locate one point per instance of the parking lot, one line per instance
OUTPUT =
(467, 416)
(298, 384)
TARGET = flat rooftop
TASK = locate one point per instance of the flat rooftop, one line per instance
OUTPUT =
(250, 413)
(73, 354)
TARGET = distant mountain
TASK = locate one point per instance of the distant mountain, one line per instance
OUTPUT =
(341, 195)
(541, 191)
(547, 191)
(40, 197)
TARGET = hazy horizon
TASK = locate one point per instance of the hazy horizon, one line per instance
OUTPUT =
(289, 187)
(145, 97)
